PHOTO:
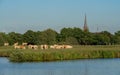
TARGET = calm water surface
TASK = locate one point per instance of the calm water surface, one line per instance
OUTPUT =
(72, 67)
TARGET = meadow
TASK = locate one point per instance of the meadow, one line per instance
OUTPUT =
(77, 52)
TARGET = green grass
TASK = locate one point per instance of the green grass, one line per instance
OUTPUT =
(78, 52)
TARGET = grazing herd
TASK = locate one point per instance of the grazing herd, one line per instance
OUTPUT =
(35, 47)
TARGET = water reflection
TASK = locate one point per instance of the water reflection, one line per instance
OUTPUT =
(74, 67)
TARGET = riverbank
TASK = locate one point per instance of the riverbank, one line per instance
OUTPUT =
(78, 52)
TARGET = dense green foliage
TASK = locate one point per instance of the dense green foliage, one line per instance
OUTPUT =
(74, 36)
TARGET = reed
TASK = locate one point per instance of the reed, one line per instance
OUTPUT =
(5, 53)
(78, 52)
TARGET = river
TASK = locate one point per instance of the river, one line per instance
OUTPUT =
(69, 67)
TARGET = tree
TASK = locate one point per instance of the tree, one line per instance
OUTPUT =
(15, 37)
(102, 38)
(48, 37)
(71, 40)
(3, 38)
(66, 36)
(87, 38)
(66, 32)
(117, 37)
(30, 37)
(108, 37)
(76, 33)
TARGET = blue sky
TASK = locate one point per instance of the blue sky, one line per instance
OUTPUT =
(22, 15)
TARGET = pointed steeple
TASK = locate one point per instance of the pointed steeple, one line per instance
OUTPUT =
(85, 25)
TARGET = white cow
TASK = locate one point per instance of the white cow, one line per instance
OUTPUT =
(15, 44)
(44, 46)
(68, 46)
(24, 44)
(57, 46)
(52, 46)
(33, 47)
(60, 46)
(6, 44)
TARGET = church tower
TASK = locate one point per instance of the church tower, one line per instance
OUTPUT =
(85, 25)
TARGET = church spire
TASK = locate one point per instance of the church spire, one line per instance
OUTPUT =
(85, 25)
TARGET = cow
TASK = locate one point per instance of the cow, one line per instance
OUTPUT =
(24, 44)
(60, 46)
(33, 47)
(6, 44)
(68, 46)
(44, 46)
(52, 46)
(15, 44)
(19, 47)
(57, 46)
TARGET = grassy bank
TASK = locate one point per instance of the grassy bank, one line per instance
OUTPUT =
(78, 52)
(5, 51)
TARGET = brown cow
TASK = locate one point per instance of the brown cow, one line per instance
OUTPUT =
(19, 47)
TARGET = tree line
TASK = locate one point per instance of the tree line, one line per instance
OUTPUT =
(73, 36)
